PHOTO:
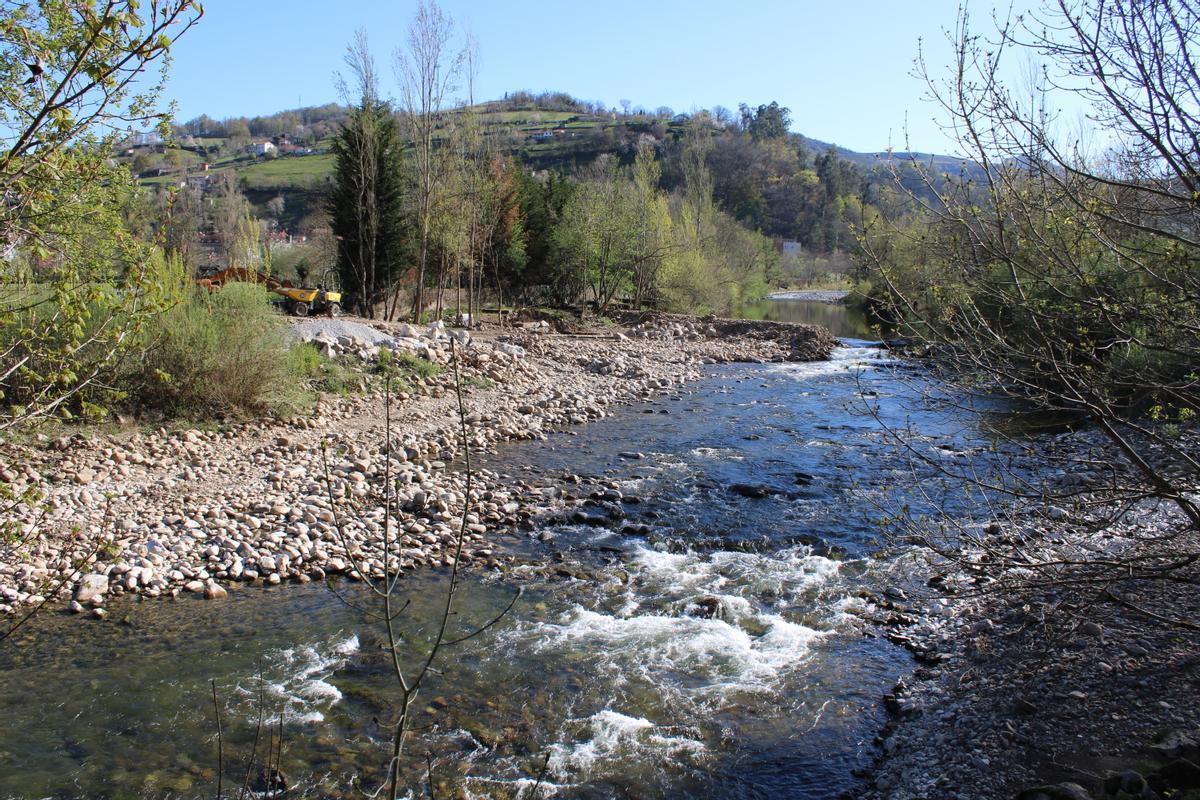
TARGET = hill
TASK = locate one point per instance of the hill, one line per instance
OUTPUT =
(783, 185)
(545, 133)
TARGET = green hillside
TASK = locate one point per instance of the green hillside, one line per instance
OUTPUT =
(542, 138)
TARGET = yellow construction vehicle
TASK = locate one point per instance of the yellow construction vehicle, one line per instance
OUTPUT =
(296, 300)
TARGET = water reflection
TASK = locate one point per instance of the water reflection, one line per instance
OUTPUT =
(848, 323)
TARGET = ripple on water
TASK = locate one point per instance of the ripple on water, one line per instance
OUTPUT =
(609, 737)
(295, 682)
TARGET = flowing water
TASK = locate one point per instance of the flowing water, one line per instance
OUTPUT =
(701, 644)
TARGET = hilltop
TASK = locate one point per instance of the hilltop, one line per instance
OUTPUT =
(287, 153)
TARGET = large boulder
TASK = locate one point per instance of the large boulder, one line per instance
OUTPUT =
(91, 587)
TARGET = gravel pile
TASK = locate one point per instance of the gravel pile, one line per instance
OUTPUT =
(307, 330)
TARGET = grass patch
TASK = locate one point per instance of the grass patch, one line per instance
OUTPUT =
(479, 382)
(289, 172)
(402, 365)
(326, 375)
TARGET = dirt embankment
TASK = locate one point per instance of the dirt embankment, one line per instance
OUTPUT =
(1073, 683)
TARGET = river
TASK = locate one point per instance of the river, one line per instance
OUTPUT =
(787, 307)
(708, 649)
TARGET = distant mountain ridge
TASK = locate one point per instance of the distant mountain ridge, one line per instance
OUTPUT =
(936, 162)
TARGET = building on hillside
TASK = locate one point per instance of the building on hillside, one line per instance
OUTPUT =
(261, 148)
(145, 138)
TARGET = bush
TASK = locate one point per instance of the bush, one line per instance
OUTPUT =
(326, 375)
(217, 353)
(401, 365)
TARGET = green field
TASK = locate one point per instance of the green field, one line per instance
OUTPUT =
(289, 172)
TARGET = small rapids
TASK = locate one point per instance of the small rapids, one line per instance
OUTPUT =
(693, 633)
(699, 627)
(296, 686)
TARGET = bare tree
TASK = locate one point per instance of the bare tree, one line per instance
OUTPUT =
(384, 581)
(229, 218)
(1064, 274)
(428, 71)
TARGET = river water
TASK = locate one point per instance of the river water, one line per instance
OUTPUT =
(703, 643)
(839, 319)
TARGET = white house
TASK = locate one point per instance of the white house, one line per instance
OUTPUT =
(262, 148)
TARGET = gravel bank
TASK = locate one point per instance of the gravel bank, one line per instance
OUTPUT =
(160, 513)
(1048, 690)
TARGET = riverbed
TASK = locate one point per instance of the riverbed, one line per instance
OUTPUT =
(703, 642)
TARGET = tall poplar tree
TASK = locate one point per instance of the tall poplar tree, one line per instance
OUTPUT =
(366, 203)
(429, 71)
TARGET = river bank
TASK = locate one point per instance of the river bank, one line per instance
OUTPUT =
(686, 625)
(1073, 682)
(704, 603)
(158, 513)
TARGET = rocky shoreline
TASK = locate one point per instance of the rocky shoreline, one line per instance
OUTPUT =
(1065, 690)
(159, 513)
(1038, 693)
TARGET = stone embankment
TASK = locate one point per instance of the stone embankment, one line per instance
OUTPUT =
(164, 512)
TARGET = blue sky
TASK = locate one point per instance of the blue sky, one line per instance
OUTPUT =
(843, 68)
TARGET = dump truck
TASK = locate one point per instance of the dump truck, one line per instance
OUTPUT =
(298, 301)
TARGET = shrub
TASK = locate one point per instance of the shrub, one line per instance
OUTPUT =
(403, 365)
(327, 375)
(217, 353)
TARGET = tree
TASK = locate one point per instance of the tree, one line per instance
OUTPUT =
(697, 178)
(1065, 276)
(366, 203)
(597, 233)
(231, 214)
(275, 207)
(76, 283)
(652, 218)
(428, 72)
(766, 121)
(73, 79)
(541, 205)
(180, 219)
